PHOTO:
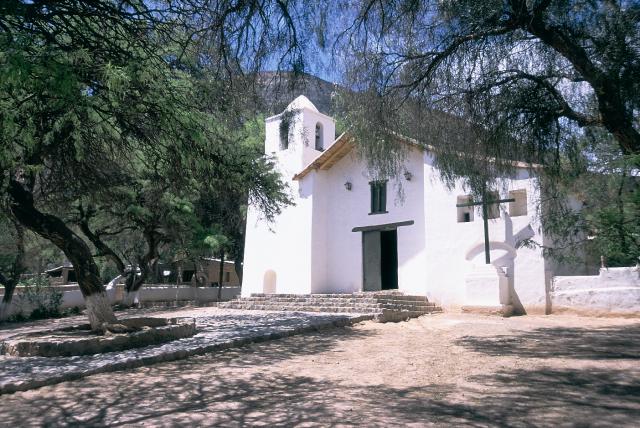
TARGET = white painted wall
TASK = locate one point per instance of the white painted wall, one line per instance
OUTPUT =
(448, 242)
(311, 247)
(283, 246)
(348, 209)
(72, 296)
(286, 247)
(168, 293)
(613, 290)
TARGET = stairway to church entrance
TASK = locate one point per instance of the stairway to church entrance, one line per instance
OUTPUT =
(382, 306)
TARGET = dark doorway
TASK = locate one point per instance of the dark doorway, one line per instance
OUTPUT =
(380, 260)
(389, 259)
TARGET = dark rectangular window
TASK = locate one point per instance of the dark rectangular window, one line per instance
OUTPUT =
(378, 197)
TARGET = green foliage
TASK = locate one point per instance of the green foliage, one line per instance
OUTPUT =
(484, 83)
(7, 246)
(493, 81)
(39, 298)
(114, 122)
(605, 186)
(107, 270)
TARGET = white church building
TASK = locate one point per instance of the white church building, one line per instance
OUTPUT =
(347, 233)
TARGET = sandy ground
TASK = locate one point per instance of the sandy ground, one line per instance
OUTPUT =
(443, 370)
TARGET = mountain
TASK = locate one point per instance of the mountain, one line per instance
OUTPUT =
(278, 89)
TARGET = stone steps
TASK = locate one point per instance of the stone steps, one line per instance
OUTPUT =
(340, 301)
(359, 296)
(384, 306)
(336, 309)
(359, 300)
(336, 302)
(305, 308)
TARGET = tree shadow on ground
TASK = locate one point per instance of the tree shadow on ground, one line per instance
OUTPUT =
(11, 328)
(604, 343)
(238, 388)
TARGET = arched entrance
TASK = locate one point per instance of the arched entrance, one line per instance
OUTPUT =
(269, 282)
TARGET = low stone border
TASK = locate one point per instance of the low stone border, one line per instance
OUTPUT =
(216, 331)
(75, 340)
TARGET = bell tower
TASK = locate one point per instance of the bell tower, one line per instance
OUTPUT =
(298, 135)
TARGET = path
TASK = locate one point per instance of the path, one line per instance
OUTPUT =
(442, 370)
(217, 329)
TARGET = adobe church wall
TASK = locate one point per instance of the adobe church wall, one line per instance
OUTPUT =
(346, 209)
(280, 252)
(449, 241)
(321, 232)
(278, 256)
(311, 247)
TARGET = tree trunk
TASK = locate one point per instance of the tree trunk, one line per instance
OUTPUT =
(103, 248)
(131, 298)
(147, 265)
(9, 288)
(17, 268)
(237, 265)
(134, 284)
(131, 287)
(99, 310)
(615, 118)
(220, 276)
(198, 273)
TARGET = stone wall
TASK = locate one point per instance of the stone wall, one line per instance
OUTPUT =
(613, 291)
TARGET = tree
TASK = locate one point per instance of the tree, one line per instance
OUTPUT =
(224, 208)
(530, 72)
(607, 188)
(12, 259)
(486, 83)
(93, 100)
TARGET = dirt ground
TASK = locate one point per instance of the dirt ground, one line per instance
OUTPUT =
(442, 370)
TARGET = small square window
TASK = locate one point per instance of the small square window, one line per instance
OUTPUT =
(465, 214)
(378, 197)
(519, 206)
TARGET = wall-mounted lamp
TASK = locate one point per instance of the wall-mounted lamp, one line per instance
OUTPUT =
(347, 185)
(408, 175)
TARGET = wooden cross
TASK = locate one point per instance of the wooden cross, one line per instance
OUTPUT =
(485, 211)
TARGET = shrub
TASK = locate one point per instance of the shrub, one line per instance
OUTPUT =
(43, 300)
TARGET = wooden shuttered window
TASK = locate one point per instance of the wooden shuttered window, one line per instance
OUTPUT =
(378, 196)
